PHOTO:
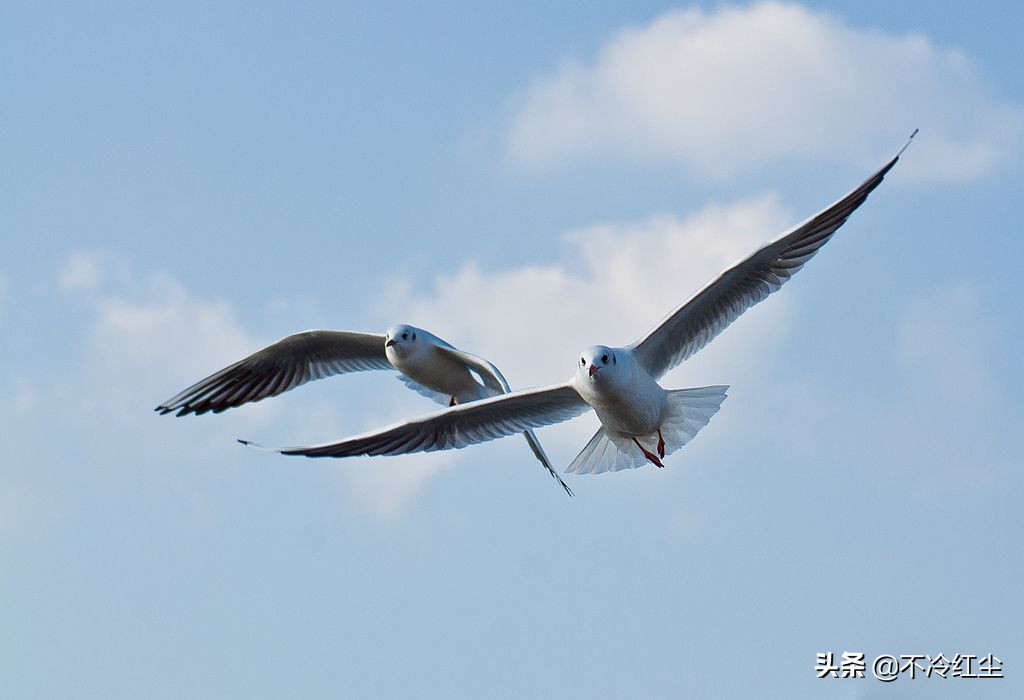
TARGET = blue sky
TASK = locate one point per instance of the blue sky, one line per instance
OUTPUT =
(184, 184)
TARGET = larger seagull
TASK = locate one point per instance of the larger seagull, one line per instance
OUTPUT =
(640, 421)
(426, 364)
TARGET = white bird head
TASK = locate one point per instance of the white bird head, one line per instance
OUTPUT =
(401, 339)
(598, 364)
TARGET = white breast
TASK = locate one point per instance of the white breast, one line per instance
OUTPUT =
(632, 403)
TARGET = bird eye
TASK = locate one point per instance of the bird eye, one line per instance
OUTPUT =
(583, 361)
(405, 336)
(604, 359)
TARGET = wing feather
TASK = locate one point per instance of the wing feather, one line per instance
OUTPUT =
(495, 381)
(281, 367)
(693, 324)
(459, 426)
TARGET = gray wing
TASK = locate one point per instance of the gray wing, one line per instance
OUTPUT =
(707, 313)
(494, 379)
(459, 426)
(277, 368)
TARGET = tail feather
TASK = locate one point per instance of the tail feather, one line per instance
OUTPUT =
(689, 410)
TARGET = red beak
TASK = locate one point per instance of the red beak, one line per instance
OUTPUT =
(593, 370)
(390, 343)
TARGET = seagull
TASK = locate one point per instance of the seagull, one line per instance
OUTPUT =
(641, 422)
(426, 364)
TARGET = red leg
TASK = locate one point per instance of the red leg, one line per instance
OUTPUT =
(661, 444)
(651, 457)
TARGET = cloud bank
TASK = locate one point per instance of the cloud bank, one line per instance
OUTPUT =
(736, 88)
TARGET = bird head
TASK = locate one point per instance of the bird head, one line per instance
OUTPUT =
(598, 363)
(400, 339)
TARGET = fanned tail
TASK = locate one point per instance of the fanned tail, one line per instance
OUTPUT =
(689, 410)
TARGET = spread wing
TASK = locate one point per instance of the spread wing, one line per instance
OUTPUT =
(707, 313)
(459, 426)
(277, 368)
(494, 380)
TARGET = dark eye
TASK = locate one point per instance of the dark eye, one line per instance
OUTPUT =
(604, 359)
(583, 361)
(405, 336)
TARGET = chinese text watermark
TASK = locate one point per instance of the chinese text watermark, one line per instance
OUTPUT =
(889, 667)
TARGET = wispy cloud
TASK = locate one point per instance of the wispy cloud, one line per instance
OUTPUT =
(926, 412)
(738, 87)
(88, 271)
(953, 410)
(148, 336)
(945, 339)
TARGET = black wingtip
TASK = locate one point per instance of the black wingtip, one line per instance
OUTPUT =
(164, 409)
(247, 443)
(561, 482)
(910, 139)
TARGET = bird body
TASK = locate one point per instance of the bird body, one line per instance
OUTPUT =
(426, 360)
(625, 397)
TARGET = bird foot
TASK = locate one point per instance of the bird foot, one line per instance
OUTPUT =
(651, 457)
(661, 444)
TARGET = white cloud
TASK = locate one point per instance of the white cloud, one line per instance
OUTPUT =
(735, 88)
(163, 327)
(146, 338)
(86, 271)
(612, 284)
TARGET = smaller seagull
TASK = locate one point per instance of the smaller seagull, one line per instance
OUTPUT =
(427, 365)
(640, 421)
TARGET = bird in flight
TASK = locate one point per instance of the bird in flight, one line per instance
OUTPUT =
(426, 364)
(640, 421)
